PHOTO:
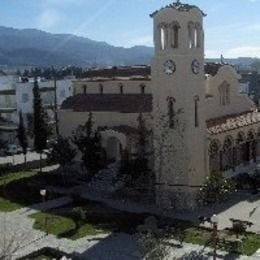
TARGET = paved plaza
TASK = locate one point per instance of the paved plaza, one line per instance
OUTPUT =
(116, 246)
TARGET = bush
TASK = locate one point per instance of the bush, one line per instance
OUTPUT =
(215, 189)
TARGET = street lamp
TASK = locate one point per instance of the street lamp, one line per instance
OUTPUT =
(214, 221)
(43, 193)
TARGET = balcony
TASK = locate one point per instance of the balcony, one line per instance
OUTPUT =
(8, 108)
(7, 126)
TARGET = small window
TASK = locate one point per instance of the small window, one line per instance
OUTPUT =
(171, 112)
(25, 98)
(121, 88)
(197, 35)
(84, 87)
(224, 94)
(142, 87)
(101, 89)
(196, 111)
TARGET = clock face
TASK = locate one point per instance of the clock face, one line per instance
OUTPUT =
(195, 67)
(169, 67)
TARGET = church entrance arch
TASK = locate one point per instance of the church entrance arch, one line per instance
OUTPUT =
(113, 149)
(114, 144)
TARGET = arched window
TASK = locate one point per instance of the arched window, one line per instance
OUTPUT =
(174, 34)
(121, 88)
(251, 146)
(258, 143)
(163, 36)
(142, 88)
(171, 112)
(191, 34)
(196, 110)
(224, 94)
(240, 142)
(214, 156)
(197, 35)
(84, 87)
(227, 157)
(101, 89)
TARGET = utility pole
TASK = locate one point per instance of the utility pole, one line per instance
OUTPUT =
(55, 104)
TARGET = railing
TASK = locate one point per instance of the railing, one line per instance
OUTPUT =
(8, 106)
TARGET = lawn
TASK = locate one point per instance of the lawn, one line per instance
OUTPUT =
(8, 206)
(8, 178)
(247, 244)
(22, 189)
(65, 227)
(6, 203)
(66, 221)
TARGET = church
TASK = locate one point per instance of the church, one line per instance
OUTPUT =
(199, 120)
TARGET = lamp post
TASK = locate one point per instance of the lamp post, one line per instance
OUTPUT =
(214, 221)
(43, 193)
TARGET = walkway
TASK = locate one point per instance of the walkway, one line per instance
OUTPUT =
(18, 226)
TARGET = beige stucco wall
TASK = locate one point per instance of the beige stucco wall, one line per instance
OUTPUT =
(238, 102)
(111, 86)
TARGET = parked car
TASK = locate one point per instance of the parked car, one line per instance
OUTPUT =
(13, 149)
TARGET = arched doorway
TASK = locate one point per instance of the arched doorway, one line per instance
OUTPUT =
(114, 143)
(113, 149)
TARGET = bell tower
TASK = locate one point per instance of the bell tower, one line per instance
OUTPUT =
(178, 86)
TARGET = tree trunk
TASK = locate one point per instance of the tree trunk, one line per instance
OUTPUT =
(63, 174)
(40, 162)
(25, 159)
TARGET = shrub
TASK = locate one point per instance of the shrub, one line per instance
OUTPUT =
(215, 189)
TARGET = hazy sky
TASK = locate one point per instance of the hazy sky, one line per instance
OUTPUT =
(232, 27)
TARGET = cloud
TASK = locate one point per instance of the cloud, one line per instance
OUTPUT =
(48, 19)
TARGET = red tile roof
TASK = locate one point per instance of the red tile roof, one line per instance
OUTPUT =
(124, 103)
(231, 122)
(180, 7)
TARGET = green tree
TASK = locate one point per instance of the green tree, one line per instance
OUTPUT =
(61, 152)
(40, 127)
(22, 137)
(88, 142)
(141, 158)
(215, 189)
(136, 166)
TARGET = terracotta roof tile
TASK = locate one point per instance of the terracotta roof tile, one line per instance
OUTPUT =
(124, 103)
(231, 122)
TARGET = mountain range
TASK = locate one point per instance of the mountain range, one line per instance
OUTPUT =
(32, 47)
